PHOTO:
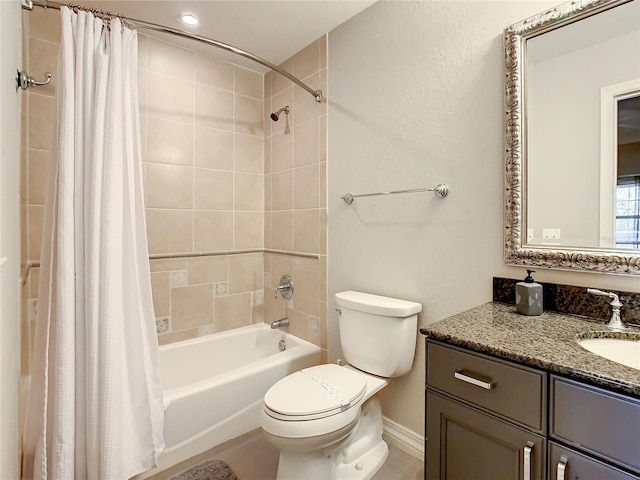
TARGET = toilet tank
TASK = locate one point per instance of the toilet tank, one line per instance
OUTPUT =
(378, 334)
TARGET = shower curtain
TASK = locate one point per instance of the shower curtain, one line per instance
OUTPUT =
(95, 406)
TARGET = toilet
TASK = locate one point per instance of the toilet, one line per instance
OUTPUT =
(326, 420)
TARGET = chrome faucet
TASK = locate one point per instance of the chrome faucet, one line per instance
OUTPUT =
(616, 322)
(283, 322)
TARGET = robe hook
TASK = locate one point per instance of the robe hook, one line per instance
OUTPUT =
(24, 80)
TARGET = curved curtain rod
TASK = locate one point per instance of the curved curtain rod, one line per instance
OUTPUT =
(317, 94)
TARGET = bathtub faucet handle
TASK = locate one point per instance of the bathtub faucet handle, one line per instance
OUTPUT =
(285, 287)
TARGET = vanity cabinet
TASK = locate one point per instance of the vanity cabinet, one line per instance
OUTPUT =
(601, 424)
(485, 418)
(491, 419)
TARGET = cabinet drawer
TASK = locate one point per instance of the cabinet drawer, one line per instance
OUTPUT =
(566, 464)
(514, 392)
(600, 422)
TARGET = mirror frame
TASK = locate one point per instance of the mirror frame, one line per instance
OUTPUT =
(594, 260)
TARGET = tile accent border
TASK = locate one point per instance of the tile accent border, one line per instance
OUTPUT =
(30, 264)
(291, 254)
(159, 256)
(572, 300)
(162, 256)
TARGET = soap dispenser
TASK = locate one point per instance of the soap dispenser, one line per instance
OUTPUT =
(529, 296)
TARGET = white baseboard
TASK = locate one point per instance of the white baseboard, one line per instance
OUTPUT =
(401, 437)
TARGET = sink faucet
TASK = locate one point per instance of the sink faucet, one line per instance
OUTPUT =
(616, 322)
(283, 322)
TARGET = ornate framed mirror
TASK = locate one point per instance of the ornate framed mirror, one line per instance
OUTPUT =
(572, 139)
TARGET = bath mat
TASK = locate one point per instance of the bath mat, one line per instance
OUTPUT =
(209, 470)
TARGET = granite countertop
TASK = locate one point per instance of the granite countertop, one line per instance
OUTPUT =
(547, 341)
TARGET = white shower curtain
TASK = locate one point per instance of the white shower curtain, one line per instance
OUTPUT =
(95, 406)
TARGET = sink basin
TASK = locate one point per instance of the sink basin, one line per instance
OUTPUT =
(621, 348)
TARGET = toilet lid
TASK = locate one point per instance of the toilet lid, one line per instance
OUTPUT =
(316, 392)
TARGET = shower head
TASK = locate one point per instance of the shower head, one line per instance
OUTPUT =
(275, 116)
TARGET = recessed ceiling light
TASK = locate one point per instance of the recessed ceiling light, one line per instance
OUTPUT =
(189, 19)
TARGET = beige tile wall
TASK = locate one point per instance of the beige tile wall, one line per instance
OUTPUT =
(217, 178)
(203, 156)
(41, 39)
(295, 194)
(202, 295)
(202, 136)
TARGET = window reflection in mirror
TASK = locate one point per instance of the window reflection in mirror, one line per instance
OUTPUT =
(627, 204)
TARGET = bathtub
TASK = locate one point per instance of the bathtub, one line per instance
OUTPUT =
(213, 386)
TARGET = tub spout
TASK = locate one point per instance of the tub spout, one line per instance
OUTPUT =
(283, 322)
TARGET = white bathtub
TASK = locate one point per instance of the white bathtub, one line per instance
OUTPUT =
(213, 386)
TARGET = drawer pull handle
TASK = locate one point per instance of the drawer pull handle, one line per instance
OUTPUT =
(562, 466)
(527, 460)
(466, 377)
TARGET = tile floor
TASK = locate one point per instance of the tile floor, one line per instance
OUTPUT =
(252, 458)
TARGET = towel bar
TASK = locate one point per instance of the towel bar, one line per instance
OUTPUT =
(441, 191)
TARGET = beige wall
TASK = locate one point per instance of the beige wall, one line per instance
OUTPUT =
(416, 99)
(295, 194)
(41, 39)
(10, 32)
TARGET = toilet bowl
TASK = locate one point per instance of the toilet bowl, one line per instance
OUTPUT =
(314, 416)
(326, 420)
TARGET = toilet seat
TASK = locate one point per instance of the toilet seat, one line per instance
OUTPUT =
(315, 393)
(305, 423)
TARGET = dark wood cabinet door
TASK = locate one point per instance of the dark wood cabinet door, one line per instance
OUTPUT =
(466, 444)
(567, 464)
